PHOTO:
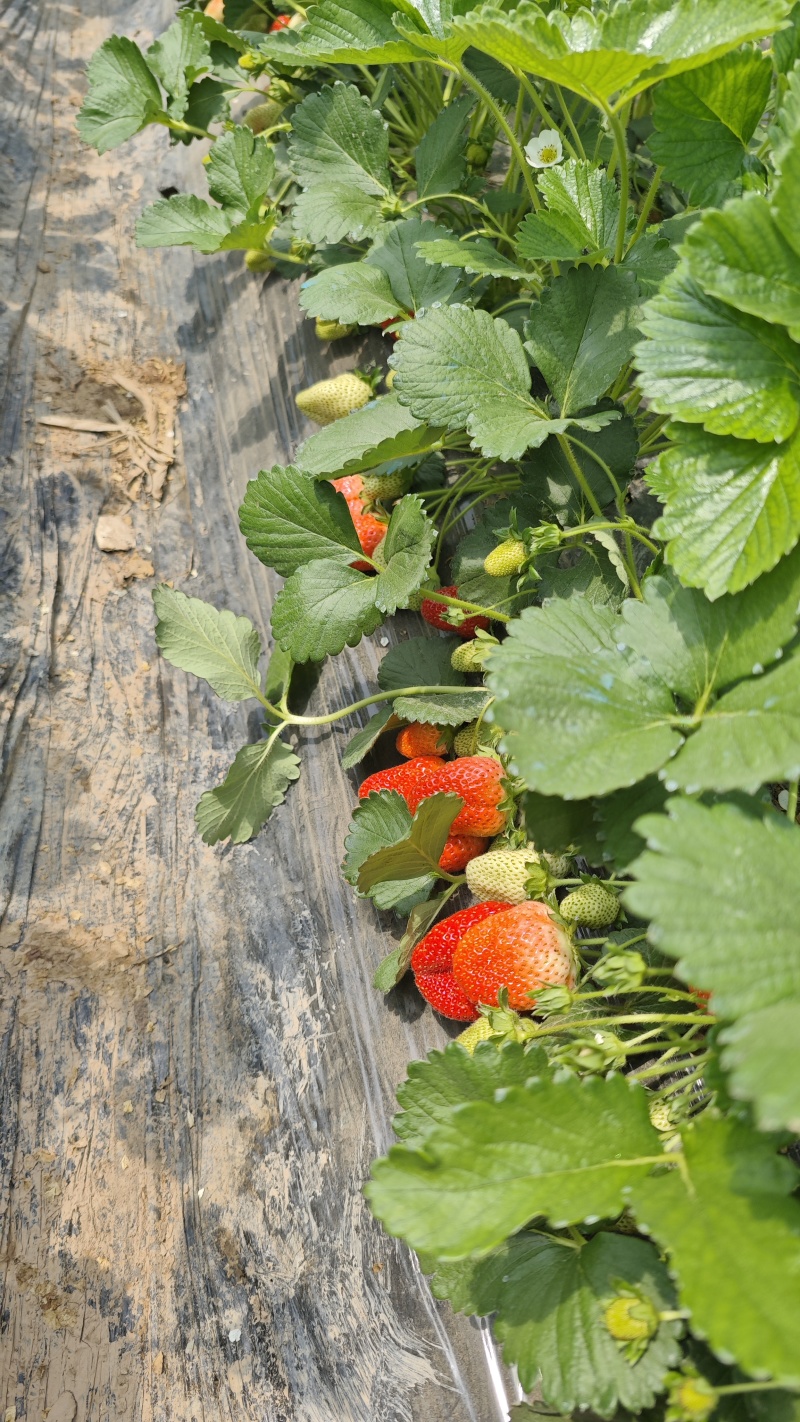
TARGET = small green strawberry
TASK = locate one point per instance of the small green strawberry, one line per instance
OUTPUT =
(479, 1031)
(331, 400)
(471, 656)
(691, 1398)
(504, 560)
(632, 1320)
(591, 904)
(501, 874)
(558, 864)
(466, 740)
(332, 330)
(257, 260)
(386, 486)
(263, 116)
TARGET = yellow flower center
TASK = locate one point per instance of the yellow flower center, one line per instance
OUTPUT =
(549, 154)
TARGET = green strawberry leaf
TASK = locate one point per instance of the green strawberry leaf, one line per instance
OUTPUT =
(548, 1301)
(462, 369)
(550, 476)
(379, 822)
(785, 134)
(220, 647)
(704, 121)
(706, 363)
(255, 784)
(761, 1059)
(123, 95)
(289, 519)
(582, 332)
(396, 964)
(278, 677)
(476, 585)
(248, 234)
(415, 856)
(651, 260)
(615, 816)
(582, 214)
(413, 281)
(441, 709)
(354, 293)
(440, 156)
(179, 58)
(580, 717)
(557, 825)
(477, 256)
(341, 33)
(740, 256)
(733, 1243)
(567, 1150)
(421, 661)
(337, 139)
(589, 574)
(362, 742)
(324, 606)
(383, 430)
(334, 212)
(183, 221)
(448, 1079)
(239, 171)
(207, 103)
(616, 54)
(732, 507)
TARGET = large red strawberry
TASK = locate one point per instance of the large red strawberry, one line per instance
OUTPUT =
(408, 779)
(460, 850)
(432, 962)
(436, 613)
(521, 949)
(370, 530)
(422, 738)
(477, 779)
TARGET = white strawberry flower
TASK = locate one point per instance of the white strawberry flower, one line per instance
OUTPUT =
(545, 150)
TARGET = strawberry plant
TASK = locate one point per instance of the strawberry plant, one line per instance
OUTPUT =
(578, 233)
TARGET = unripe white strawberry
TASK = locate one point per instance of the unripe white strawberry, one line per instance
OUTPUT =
(263, 116)
(507, 558)
(479, 1031)
(331, 400)
(332, 330)
(501, 874)
(465, 741)
(386, 486)
(471, 656)
(591, 904)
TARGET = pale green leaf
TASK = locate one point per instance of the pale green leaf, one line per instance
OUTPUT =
(548, 1301)
(441, 709)
(330, 213)
(362, 742)
(580, 716)
(123, 95)
(239, 171)
(477, 256)
(451, 1078)
(706, 363)
(414, 856)
(751, 735)
(704, 121)
(786, 44)
(733, 1242)
(740, 256)
(178, 58)
(247, 234)
(220, 647)
(582, 332)
(288, 519)
(255, 784)
(462, 369)
(582, 215)
(383, 430)
(354, 293)
(567, 1150)
(406, 554)
(379, 822)
(763, 1064)
(651, 260)
(440, 156)
(182, 221)
(338, 138)
(786, 156)
(342, 32)
(732, 507)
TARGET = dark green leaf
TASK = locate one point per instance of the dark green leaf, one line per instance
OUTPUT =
(557, 825)
(379, 822)
(582, 332)
(178, 58)
(362, 742)
(356, 32)
(414, 283)
(478, 256)
(550, 473)
(415, 856)
(439, 158)
(441, 709)
(289, 519)
(740, 256)
(421, 661)
(323, 608)
(240, 169)
(383, 430)
(396, 964)
(333, 212)
(615, 816)
(651, 260)
(338, 138)
(354, 293)
(451, 1078)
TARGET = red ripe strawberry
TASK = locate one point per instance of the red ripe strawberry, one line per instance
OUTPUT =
(370, 532)
(436, 614)
(432, 962)
(407, 779)
(459, 849)
(521, 949)
(421, 738)
(280, 23)
(350, 485)
(477, 779)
